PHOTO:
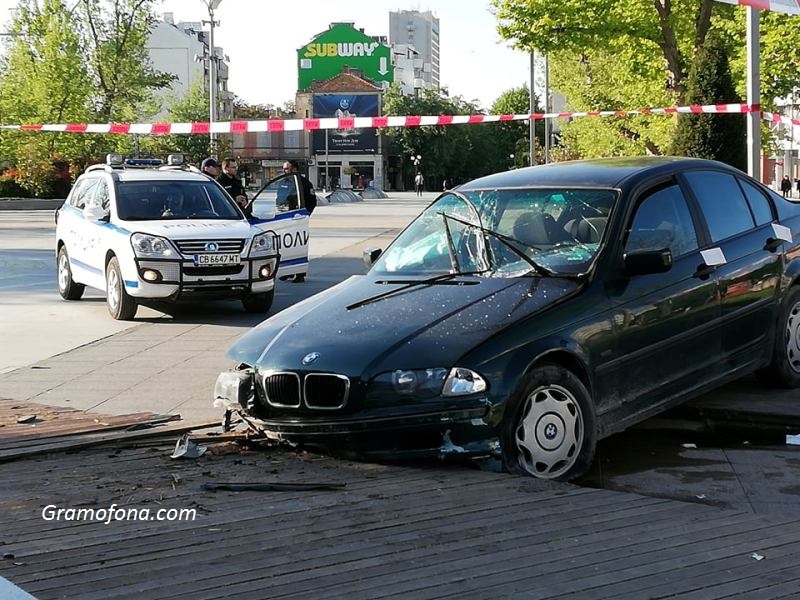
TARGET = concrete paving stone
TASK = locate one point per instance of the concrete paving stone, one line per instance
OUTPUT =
(22, 392)
(127, 403)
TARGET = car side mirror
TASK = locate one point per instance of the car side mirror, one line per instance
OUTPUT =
(93, 212)
(370, 255)
(647, 262)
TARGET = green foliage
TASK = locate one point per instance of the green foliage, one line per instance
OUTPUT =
(455, 152)
(513, 138)
(717, 137)
(192, 107)
(85, 64)
(628, 54)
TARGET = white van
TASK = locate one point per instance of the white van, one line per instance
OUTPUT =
(139, 231)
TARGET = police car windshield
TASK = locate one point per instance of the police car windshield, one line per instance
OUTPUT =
(174, 200)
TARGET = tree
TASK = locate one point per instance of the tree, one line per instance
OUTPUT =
(86, 64)
(43, 80)
(192, 107)
(609, 54)
(713, 136)
(446, 150)
(115, 34)
(514, 137)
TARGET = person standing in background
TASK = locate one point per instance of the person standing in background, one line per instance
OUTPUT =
(229, 180)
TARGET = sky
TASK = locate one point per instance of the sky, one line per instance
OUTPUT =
(261, 38)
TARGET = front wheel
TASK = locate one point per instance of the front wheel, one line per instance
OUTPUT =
(784, 370)
(120, 305)
(67, 287)
(259, 303)
(549, 430)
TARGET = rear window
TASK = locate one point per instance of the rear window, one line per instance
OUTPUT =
(173, 200)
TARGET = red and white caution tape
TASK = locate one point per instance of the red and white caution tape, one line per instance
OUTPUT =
(773, 118)
(790, 7)
(277, 125)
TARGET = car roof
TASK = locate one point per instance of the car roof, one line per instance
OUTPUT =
(599, 172)
(154, 175)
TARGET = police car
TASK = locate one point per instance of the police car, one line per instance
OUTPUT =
(140, 231)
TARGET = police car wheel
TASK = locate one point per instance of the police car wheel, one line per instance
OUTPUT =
(120, 305)
(67, 287)
(258, 303)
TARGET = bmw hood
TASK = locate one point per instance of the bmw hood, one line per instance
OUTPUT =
(418, 327)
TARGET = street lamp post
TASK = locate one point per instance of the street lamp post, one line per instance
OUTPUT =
(212, 5)
(416, 159)
(511, 160)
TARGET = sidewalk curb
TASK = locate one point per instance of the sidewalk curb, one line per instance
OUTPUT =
(30, 204)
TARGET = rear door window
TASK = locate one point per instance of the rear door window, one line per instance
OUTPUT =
(722, 202)
(759, 205)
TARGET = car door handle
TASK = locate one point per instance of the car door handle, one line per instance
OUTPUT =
(772, 244)
(704, 271)
(298, 216)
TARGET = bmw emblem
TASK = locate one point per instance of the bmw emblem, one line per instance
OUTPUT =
(310, 358)
(212, 247)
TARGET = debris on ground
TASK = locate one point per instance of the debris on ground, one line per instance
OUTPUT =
(186, 448)
(273, 487)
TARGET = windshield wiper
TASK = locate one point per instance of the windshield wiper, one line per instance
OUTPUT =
(507, 241)
(436, 279)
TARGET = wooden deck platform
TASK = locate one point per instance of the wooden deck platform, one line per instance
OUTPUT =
(427, 531)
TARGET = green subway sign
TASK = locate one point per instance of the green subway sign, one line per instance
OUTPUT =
(343, 45)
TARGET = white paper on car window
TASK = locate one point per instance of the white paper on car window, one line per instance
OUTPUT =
(782, 232)
(713, 257)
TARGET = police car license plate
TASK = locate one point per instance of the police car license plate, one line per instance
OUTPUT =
(216, 260)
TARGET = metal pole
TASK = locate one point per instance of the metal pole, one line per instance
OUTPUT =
(753, 94)
(212, 82)
(532, 148)
(328, 184)
(547, 122)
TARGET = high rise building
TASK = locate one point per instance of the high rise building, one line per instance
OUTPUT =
(415, 37)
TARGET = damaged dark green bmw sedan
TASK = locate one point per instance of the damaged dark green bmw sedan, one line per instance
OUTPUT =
(527, 314)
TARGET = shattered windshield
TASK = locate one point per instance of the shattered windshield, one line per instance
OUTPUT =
(504, 233)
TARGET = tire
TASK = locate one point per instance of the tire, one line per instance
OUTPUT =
(784, 370)
(67, 287)
(259, 303)
(550, 429)
(120, 305)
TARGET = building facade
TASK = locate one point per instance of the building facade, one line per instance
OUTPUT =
(414, 37)
(182, 49)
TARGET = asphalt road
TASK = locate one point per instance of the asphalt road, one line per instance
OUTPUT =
(35, 323)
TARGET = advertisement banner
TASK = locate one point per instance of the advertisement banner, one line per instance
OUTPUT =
(343, 106)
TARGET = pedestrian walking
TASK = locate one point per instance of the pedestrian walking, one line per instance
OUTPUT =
(229, 180)
(797, 184)
(786, 186)
(419, 182)
(445, 184)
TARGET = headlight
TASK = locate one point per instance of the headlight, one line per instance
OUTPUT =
(151, 246)
(429, 383)
(421, 383)
(263, 243)
(462, 382)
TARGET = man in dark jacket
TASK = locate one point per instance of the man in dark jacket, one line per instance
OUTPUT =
(233, 185)
(292, 166)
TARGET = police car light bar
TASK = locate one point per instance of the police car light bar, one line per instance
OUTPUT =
(114, 160)
(143, 162)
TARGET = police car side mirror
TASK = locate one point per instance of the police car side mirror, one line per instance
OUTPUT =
(92, 212)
